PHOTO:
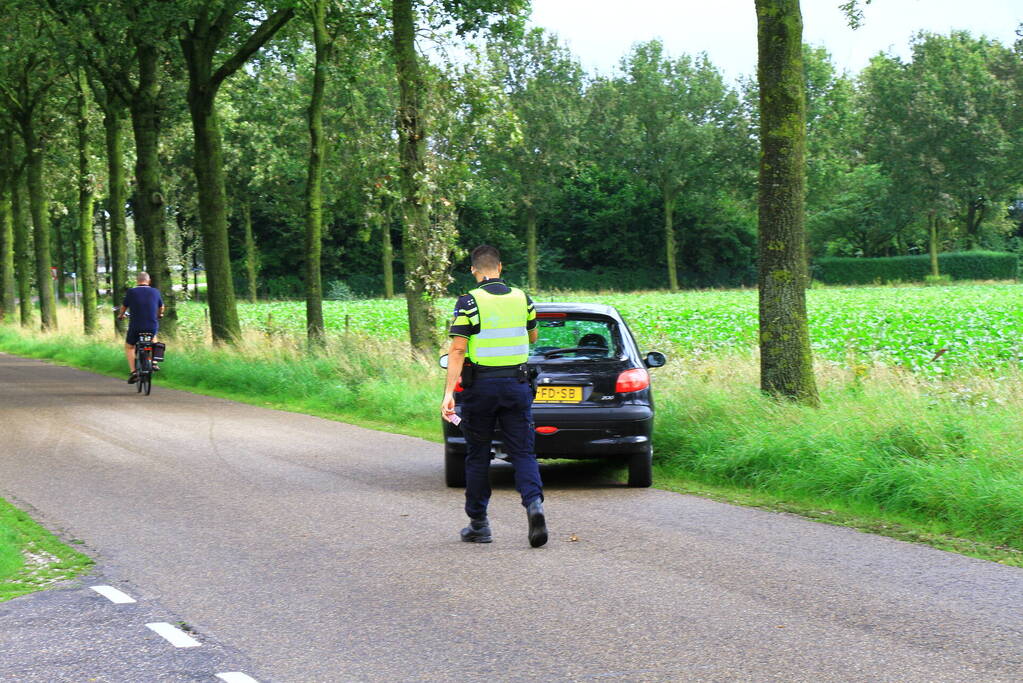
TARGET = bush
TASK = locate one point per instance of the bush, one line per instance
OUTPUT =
(370, 285)
(979, 265)
(966, 265)
(283, 287)
(338, 290)
(596, 280)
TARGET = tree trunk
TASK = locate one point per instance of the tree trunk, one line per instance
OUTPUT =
(314, 179)
(387, 256)
(22, 252)
(98, 253)
(86, 238)
(975, 209)
(209, 173)
(6, 229)
(251, 255)
(150, 218)
(105, 245)
(179, 220)
(38, 206)
(932, 224)
(117, 265)
(419, 245)
(75, 267)
(199, 46)
(786, 363)
(531, 276)
(6, 254)
(669, 240)
(60, 262)
(195, 275)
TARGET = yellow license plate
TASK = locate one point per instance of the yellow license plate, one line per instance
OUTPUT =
(549, 394)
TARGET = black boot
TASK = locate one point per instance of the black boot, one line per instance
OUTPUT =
(478, 531)
(537, 523)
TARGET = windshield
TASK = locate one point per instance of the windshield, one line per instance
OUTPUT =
(594, 337)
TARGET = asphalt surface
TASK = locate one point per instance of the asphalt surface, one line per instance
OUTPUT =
(309, 550)
(75, 634)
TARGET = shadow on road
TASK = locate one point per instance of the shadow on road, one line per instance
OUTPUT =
(563, 474)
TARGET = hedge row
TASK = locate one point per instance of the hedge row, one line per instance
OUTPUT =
(966, 265)
(963, 265)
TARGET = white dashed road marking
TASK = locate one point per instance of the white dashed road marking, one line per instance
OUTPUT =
(236, 677)
(113, 595)
(173, 634)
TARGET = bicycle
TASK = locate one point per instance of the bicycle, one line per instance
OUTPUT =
(144, 362)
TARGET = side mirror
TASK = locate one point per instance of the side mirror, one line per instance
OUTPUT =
(655, 359)
(443, 361)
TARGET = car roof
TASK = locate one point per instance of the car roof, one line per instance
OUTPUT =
(569, 307)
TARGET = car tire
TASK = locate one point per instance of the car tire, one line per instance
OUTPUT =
(454, 469)
(641, 469)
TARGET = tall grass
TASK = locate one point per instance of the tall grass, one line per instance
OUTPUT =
(938, 453)
(942, 453)
(375, 382)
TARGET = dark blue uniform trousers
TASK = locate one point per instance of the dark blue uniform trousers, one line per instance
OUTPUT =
(508, 403)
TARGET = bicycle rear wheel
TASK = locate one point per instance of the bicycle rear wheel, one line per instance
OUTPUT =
(149, 382)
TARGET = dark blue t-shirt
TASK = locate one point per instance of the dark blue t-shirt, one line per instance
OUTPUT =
(144, 305)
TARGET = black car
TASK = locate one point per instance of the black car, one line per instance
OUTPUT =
(593, 397)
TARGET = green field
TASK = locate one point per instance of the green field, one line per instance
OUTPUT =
(977, 325)
(921, 449)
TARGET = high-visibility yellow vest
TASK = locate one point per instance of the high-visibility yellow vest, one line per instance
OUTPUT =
(503, 339)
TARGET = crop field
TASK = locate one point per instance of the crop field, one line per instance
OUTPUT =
(966, 326)
(894, 445)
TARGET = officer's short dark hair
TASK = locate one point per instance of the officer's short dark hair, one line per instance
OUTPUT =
(486, 257)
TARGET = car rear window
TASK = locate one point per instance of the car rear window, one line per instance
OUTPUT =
(598, 337)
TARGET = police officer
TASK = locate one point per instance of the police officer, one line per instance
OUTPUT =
(490, 336)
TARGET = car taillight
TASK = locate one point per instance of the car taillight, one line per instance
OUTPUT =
(635, 379)
(546, 430)
(458, 386)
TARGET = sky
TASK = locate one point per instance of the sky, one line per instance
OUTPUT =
(599, 32)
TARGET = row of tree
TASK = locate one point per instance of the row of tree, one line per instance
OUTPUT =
(162, 62)
(275, 143)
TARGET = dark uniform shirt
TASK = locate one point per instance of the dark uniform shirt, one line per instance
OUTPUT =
(466, 321)
(144, 304)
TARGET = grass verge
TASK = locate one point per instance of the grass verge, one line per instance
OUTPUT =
(927, 460)
(31, 558)
(366, 381)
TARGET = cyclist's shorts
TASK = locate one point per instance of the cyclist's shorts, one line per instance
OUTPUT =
(132, 337)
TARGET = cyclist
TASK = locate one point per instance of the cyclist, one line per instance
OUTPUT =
(146, 306)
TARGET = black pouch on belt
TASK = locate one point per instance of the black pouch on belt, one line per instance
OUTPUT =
(523, 373)
(468, 374)
(527, 375)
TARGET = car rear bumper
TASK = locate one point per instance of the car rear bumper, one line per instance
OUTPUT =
(581, 433)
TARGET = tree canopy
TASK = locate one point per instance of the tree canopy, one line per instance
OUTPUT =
(257, 139)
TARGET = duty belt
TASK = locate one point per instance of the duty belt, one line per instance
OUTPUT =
(483, 372)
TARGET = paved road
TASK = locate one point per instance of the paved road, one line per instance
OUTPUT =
(319, 551)
(76, 634)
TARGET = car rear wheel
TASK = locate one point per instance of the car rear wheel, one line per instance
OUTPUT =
(641, 469)
(454, 469)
